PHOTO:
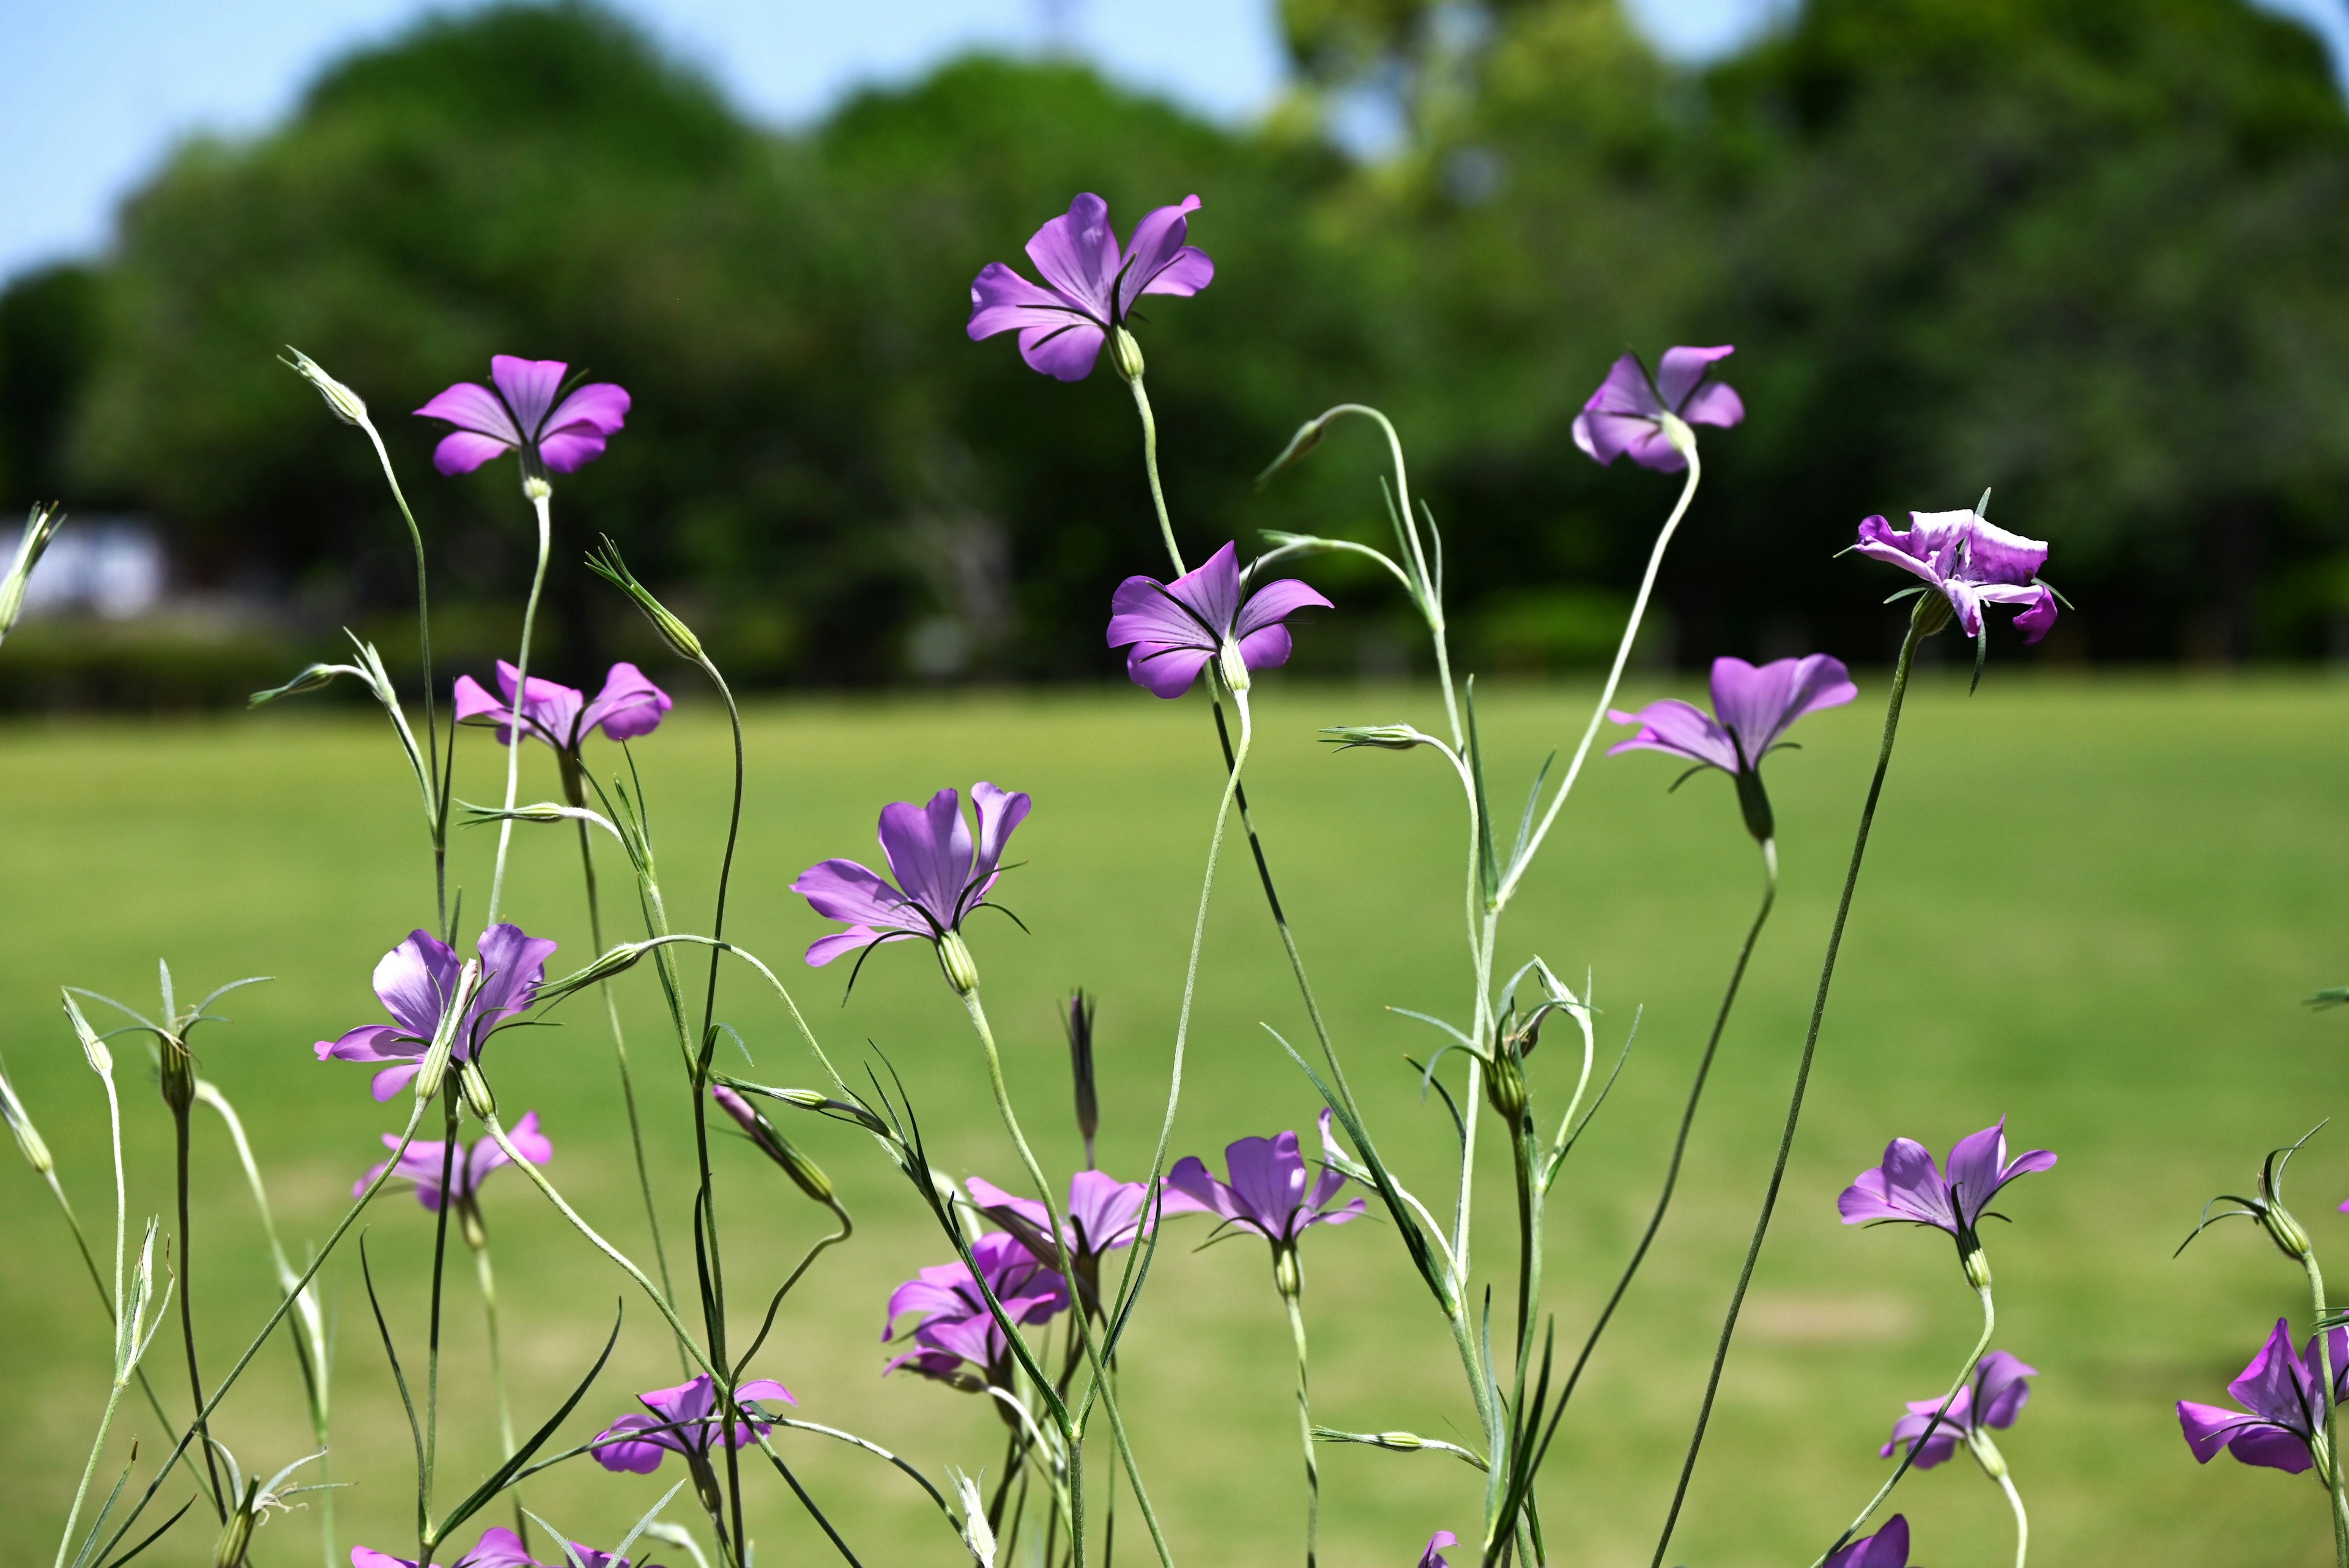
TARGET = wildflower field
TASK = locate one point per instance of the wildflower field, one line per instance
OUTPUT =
(2094, 906)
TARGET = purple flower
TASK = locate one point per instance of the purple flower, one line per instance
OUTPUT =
(1626, 414)
(1434, 1556)
(1753, 708)
(2281, 1391)
(957, 1327)
(420, 1164)
(1887, 1548)
(1170, 631)
(628, 706)
(1267, 1192)
(931, 852)
(683, 1420)
(1908, 1187)
(1968, 562)
(1993, 1396)
(523, 416)
(416, 980)
(498, 1548)
(1103, 1215)
(1090, 287)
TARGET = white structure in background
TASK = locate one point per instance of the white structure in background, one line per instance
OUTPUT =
(111, 566)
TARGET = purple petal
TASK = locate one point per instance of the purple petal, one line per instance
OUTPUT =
(1716, 403)
(1679, 728)
(1213, 590)
(549, 709)
(1003, 301)
(1880, 541)
(1607, 436)
(413, 982)
(1190, 1189)
(473, 407)
(1141, 609)
(1157, 260)
(498, 1548)
(844, 890)
(1995, 556)
(999, 812)
(369, 1043)
(514, 966)
(1626, 391)
(1275, 603)
(929, 851)
(1761, 704)
(461, 451)
(1063, 352)
(1683, 368)
(1431, 1557)
(2275, 1385)
(823, 949)
(2001, 1377)
(1268, 1181)
(602, 406)
(528, 387)
(1266, 648)
(474, 703)
(1974, 1168)
(1076, 255)
(1887, 1548)
(628, 706)
(1164, 671)
(2040, 618)
(568, 450)
(2271, 1447)
(391, 1080)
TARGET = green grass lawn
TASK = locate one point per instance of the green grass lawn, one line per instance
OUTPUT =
(2091, 906)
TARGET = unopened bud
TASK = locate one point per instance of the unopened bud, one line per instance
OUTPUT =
(962, 969)
(1080, 1068)
(475, 1090)
(1977, 1266)
(1232, 665)
(20, 1122)
(470, 1226)
(311, 679)
(341, 401)
(607, 564)
(179, 1075)
(1287, 1275)
(772, 1143)
(1385, 737)
(1124, 353)
(1402, 1442)
(1986, 1454)
(1505, 1086)
(1753, 802)
(2286, 1231)
(93, 1049)
(40, 526)
(236, 1536)
(434, 1072)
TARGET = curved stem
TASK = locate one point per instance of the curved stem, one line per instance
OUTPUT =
(538, 1178)
(2335, 1483)
(1305, 1432)
(1917, 623)
(105, 1071)
(1150, 462)
(1680, 1142)
(1965, 1375)
(1614, 677)
(627, 1079)
(498, 1376)
(431, 708)
(542, 503)
(2021, 1520)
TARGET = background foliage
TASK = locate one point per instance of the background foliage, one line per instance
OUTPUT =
(2086, 253)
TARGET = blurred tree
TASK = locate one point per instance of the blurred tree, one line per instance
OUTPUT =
(48, 339)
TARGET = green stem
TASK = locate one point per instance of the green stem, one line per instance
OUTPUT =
(1680, 1141)
(188, 1311)
(540, 503)
(498, 1376)
(2021, 1520)
(103, 1066)
(1919, 624)
(2334, 1482)
(1305, 1431)
(431, 709)
(1965, 1375)
(432, 1341)
(620, 1054)
(1150, 462)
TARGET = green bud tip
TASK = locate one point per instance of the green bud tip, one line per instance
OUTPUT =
(1125, 353)
(962, 969)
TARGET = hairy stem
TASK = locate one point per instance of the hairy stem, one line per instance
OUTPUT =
(1917, 623)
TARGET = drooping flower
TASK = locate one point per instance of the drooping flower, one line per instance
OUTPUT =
(956, 1328)
(1971, 563)
(1103, 1215)
(1626, 413)
(416, 980)
(1908, 1187)
(1434, 1556)
(1170, 631)
(946, 876)
(2282, 1394)
(420, 1164)
(1751, 710)
(1089, 287)
(683, 1420)
(1887, 1548)
(1993, 1396)
(521, 415)
(629, 705)
(1267, 1192)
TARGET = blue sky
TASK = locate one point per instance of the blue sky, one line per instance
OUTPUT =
(100, 89)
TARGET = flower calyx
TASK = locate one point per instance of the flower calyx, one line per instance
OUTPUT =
(1233, 667)
(1287, 1273)
(1125, 353)
(1975, 1261)
(1985, 1452)
(474, 1089)
(2266, 1206)
(962, 969)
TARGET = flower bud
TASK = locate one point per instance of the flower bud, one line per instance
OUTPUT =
(475, 1090)
(772, 1143)
(1125, 354)
(1402, 1442)
(1385, 737)
(20, 1122)
(1288, 1276)
(341, 401)
(1505, 1086)
(1931, 614)
(607, 564)
(470, 1226)
(2285, 1231)
(1977, 1266)
(962, 969)
(179, 1075)
(976, 1534)
(236, 1536)
(93, 1049)
(1232, 666)
(1986, 1454)
(1753, 802)
(1080, 1068)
